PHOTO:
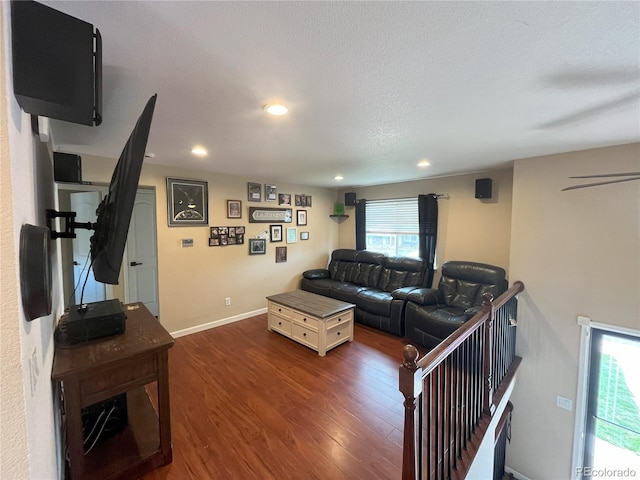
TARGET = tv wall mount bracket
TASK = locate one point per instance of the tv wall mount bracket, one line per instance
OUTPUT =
(70, 224)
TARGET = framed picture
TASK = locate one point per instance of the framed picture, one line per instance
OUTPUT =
(307, 200)
(300, 200)
(187, 202)
(284, 199)
(257, 246)
(234, 209)
(276, 233)
(270, 194)
(302, 217)
(281, 254)
(292, 234)
(254, 192)
(304, 235)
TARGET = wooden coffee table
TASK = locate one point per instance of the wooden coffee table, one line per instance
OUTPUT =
(318, 322)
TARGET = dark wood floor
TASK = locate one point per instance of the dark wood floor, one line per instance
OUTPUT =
(248, 403)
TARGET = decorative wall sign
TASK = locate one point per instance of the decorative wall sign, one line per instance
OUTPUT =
(269, 215)
(304, 235)
(187, 202)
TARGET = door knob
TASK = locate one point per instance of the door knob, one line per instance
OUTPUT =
(134, 264)
(75, 263)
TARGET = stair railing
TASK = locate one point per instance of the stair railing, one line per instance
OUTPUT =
(450, 393)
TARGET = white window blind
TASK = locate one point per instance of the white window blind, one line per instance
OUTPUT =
(392, 226)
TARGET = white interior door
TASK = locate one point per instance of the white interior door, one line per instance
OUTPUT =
(85, 205)
(142, 256)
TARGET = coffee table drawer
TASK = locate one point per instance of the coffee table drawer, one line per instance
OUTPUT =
(306, 320)
(305, 335)
(279, 310)
(344, 317)
(281, 324)
(339, 334)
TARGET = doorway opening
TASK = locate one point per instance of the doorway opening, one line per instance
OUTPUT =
(135, 285)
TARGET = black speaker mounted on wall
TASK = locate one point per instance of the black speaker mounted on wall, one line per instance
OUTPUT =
(483, 187)
(350, 199)
(67, 167)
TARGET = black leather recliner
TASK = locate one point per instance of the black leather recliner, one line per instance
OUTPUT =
(431, 314)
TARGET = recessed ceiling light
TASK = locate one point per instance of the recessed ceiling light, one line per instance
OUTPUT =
(149, 155)
(199, 151)
(338, 177)
(423, 163)
(275, 109)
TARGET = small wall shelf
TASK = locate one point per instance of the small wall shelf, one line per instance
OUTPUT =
(339, 217)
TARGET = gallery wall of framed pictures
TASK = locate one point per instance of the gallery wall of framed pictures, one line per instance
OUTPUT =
(280, 218)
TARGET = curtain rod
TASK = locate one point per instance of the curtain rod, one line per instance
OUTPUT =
(437, 195)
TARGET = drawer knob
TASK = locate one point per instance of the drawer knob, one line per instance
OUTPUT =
(279, 323)
(279, 309)
(304, 334)
(304, 319)
(339, 319)
(338, 333)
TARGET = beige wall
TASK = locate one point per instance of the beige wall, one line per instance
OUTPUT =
(27, 428)
(578, 253)
(194, 281)
(468, 228)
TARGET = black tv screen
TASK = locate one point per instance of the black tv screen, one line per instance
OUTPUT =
(114, 212)
(57, 64)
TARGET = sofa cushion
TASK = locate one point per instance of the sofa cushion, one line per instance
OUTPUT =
(400, 272)
(374, 301)
(347, 292)
(459, 293)
(342, 260)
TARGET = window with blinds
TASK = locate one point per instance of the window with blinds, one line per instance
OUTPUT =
(392, 226)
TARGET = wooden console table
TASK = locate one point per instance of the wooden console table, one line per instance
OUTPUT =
(101, 369)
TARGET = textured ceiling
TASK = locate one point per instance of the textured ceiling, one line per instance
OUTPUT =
(372, 87)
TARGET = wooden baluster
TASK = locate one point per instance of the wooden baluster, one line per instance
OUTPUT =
(411, 388)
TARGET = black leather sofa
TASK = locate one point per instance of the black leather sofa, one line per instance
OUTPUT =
(432, 314)
(376, 283)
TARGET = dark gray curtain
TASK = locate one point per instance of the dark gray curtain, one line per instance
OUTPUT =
(361, 224)
(428, 229)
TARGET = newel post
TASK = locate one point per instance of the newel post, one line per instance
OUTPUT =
(487, 307)
(411, 388)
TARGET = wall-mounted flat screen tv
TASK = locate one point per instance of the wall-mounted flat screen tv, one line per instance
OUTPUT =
(57, 64)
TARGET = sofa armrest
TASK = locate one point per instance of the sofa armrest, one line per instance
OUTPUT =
(316, 274)
(402, 293)
(426, 296)
(470, 312)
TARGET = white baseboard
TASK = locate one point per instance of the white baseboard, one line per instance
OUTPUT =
(217, 323)
(518, 475)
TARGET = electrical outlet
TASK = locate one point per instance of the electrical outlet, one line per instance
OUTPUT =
(227, 301)
(564, 402)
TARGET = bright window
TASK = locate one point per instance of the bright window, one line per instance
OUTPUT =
(392, 227)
